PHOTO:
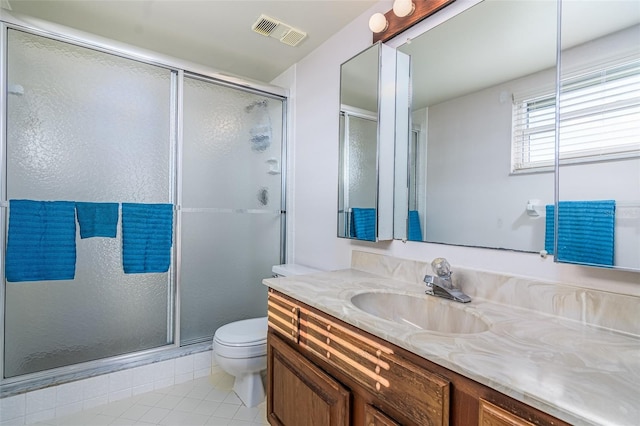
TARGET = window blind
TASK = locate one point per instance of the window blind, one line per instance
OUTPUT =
(599, 119)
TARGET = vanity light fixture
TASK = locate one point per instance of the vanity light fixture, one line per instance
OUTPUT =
(402, 8)
(404, 14)
(378, 23)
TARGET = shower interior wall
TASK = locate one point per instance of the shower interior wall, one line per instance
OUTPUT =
(83, 130)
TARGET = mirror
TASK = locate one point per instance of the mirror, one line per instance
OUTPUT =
(599, 135)
(470, 74)
(367, 105)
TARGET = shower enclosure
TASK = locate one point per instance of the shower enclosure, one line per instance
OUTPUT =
(86, 122)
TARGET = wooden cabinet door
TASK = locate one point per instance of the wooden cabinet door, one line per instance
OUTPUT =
(375, 417)
(301, 394)
(492, 415)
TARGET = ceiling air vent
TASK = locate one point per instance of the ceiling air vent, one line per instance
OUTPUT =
(273, 28)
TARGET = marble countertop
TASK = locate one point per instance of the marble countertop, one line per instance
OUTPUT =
(582, 374)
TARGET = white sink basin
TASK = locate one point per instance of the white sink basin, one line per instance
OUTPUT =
(422, 312)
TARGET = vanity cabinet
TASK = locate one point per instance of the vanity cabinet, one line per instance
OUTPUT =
(322, 371)
(491, 415)
(303, 394)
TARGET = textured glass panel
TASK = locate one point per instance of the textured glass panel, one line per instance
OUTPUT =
(232, 148)
(231, 161)
(362, 162)
(225, 257)
(87, 126)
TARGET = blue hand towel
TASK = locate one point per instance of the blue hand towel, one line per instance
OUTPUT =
(415, 232)
(97, 219)
(147, 235)
(41, 242)
(364, 221)
(586, 231)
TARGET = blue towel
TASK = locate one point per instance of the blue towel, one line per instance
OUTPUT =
(364, 221)
(147, 234)
(97, 219)
(41, 242)
(586, 231)
(415, 232)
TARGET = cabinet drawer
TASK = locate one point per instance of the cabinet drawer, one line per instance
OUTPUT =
(283, 316)
(420, 396)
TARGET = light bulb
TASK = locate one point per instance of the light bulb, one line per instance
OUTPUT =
(402, 8)
(378, 23)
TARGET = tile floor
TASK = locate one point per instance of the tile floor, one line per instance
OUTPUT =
(205, 401)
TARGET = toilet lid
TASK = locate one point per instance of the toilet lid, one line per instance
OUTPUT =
(248, 332)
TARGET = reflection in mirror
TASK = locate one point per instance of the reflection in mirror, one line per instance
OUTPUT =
(599, 135)
(365, 193)
(358, 145)
(471, 74)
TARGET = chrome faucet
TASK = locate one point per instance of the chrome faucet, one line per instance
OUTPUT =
(442, 285)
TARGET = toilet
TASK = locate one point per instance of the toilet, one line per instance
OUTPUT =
(240, 347)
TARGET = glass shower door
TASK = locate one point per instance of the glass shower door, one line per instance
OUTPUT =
(84, 125)
(231, 205)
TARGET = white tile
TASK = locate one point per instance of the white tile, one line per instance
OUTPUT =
(120, 380)
(135, 412)
(150, 399)
(41, 400)
(236, 422)
(226, 411)
(202, 360)
(181, 389)
(40, 416)
(13, 407)
(68, 409)
(184, 365)
(205, 372)
(184, 418)
(200, 392)
(217, 395)
(222, 380)
(164, 369)
(143, 375)
(169, 401)
(16, 421)
(100, 420)
(95, 402)
(206, 407)
(232, 398)
(246, 414)
(218, 421)
(138, 390)
(261, 418)
(79, 419)
(115, 409)
(183, 378)
(69, 393)
(95, 386)
(121, 421)
(155, 415)
(163, 383)
(120, 395)
(188, 404)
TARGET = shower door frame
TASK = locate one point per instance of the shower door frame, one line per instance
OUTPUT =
(179, 68)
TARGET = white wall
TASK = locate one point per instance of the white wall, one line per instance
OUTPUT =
(314, 177)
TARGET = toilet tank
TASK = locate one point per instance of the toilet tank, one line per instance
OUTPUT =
(289, 269)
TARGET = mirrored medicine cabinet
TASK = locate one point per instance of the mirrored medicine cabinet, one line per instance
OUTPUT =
(368, 96)
(481, 150)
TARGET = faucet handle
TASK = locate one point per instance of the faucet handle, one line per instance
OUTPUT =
(441, 267)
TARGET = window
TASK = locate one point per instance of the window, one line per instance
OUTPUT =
(599, 119)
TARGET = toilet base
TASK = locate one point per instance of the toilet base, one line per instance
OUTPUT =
(249, 388)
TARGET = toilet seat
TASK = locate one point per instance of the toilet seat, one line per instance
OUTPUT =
(242, 339)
